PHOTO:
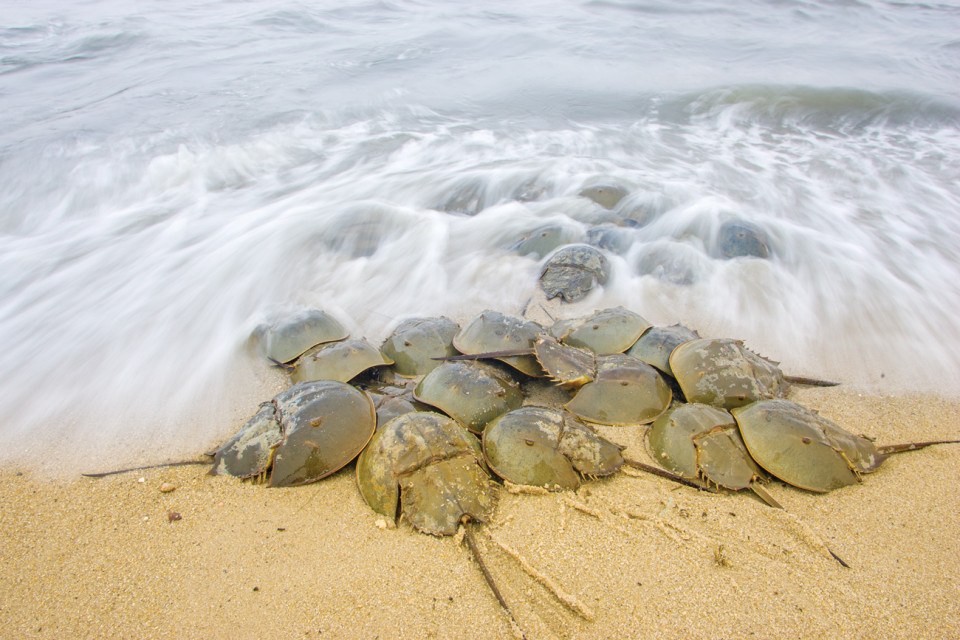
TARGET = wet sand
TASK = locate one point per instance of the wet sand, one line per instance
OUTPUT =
(628, 556)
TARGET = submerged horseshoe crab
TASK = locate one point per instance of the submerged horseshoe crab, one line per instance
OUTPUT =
(304, 434)
(573, 271)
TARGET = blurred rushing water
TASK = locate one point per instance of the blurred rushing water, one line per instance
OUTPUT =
(172, 174)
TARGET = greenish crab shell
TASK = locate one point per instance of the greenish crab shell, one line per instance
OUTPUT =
(304, 434)
(657, 343)
(287, 339)
(341, 361)
(700, 441)
(546, 448)
(605, 332)
(471, 392)
(416, 342)
(724, 373)
(625, 391)
(803, 448)
(430, 469)
(493, 331)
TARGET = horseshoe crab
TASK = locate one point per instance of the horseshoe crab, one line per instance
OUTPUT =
(605, 195)
(626, 391)
(808, 451)
(429, 469)
(573, 271)
(701, 442)
(605, 332)
(341, 361)
(493, 331)
(724, 373)
(546, 448)
(657, 343)
(304, 434)
(544, 239)
(415, 343)
(739, 238)
(287, 339)
(472, 393)
(570, 367)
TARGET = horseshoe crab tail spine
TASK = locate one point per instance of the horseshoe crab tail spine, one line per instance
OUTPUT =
(911, 446)
(179, 463)
(488, 354)
(663, 473)
(810, 382)
(282, 365)
(838, 559)
(764, 495)
(475, 550)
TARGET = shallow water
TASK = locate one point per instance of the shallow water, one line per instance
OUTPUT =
(172, 176)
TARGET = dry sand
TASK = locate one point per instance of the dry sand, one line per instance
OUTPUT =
(629, 556)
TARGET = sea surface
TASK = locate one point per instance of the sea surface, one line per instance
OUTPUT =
(173, 174)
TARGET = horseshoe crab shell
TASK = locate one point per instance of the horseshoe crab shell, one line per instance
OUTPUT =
(544, 239)
(287, 339)
(415, 342)
(431, 468)
(473, 393)
(304, 434)
(724, 373)
(341, 361)
(803, 448)
(546, 448)
(699, 441)
(493, 331)
(626, 391)
(605, 195)
(568, 366)
(657, 343)
(606, 332)
(573, 271)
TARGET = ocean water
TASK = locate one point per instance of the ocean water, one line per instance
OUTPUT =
(173, 174)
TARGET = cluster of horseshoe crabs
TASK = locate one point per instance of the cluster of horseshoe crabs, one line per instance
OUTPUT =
(717, 411)
(437, 407)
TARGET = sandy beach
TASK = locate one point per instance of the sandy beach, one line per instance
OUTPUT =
(628, 556)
